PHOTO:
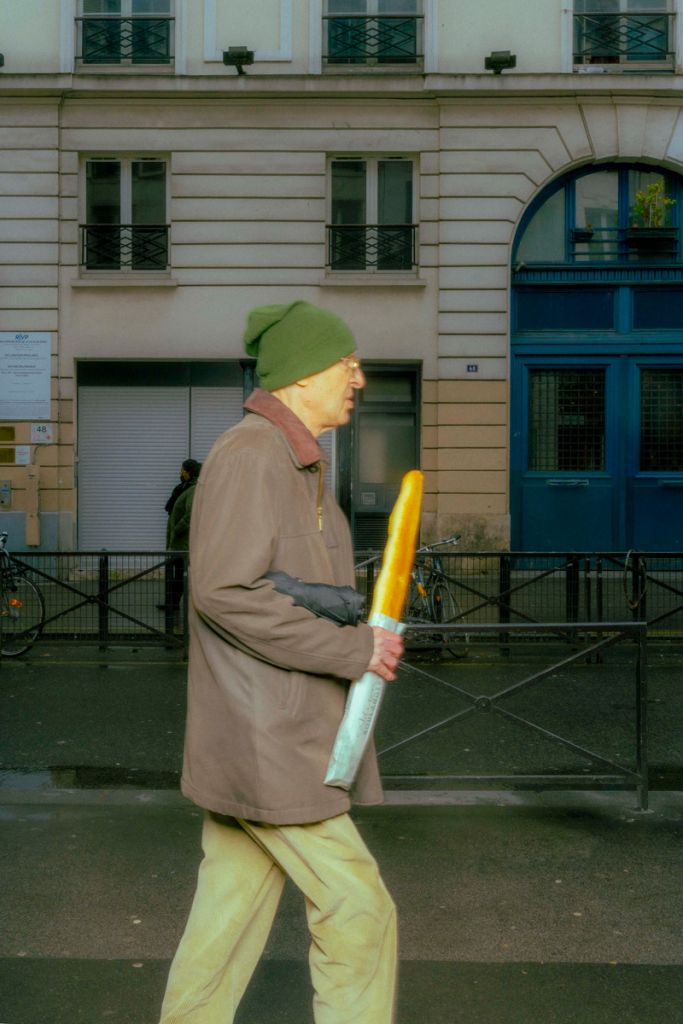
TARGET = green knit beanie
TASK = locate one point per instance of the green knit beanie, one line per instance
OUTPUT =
(295, 340)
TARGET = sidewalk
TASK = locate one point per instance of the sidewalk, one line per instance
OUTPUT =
(515, 908)
(552, 910)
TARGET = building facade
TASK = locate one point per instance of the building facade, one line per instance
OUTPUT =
(489, 193)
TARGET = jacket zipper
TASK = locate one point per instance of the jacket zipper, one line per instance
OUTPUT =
(319, 507)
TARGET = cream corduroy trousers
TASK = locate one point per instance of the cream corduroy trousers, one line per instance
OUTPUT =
(351, 919)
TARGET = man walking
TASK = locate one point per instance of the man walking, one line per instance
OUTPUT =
(267, 688)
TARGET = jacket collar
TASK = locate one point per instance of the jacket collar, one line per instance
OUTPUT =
(304, 446)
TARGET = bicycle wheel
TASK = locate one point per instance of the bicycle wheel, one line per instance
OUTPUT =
(22, 614)
(445, 608)
(418, 613)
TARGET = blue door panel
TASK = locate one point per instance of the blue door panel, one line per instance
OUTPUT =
(570, 509)
(572, 513)
(656, 514)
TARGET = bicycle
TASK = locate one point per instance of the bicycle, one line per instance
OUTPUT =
(22, 606)
(432, 599)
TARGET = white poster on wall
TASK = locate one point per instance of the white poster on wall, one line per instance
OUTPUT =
(24, 375)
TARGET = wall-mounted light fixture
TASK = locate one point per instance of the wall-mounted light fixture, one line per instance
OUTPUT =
(499, 60)
(237, 57)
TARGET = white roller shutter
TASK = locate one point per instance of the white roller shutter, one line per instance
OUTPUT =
(131, 443)
(328, 443)
(212, 411)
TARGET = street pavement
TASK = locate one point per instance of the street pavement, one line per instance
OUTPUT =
(517, 906)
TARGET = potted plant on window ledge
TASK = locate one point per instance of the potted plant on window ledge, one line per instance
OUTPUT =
(584, 234)
(648, 231)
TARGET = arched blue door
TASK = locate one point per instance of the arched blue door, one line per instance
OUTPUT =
(597, 369)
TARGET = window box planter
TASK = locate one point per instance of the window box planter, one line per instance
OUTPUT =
(582, 235)
(654, 241)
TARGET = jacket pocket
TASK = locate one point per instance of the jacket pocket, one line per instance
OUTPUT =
(290, 695)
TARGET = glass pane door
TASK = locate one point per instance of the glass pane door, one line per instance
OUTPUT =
(379, 445)
(394, 208)
(149, 234)
(103, 215)
(348, 215)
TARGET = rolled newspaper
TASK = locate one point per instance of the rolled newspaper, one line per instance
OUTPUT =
(365, 694)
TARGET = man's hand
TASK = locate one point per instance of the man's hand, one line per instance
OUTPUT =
(386, 653)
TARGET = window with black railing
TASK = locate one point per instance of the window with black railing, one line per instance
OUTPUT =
(631, 34)
(125, 215)
(372, 32)
(125, 32)
(372, 215)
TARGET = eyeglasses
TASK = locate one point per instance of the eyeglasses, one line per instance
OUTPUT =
(351, 363)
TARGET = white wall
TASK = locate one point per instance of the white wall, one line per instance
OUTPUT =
(38, 35)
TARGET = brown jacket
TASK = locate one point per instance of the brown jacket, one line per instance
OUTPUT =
(267, 679)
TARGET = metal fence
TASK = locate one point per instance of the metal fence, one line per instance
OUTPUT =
(572, 731)
(571, 735)
(534, 588)
(382, 246)
(115, 246)
(108, 597)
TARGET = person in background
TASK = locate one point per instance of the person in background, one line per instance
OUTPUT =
(179, 509)
(267, 687)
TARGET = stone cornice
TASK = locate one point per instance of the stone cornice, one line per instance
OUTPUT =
(535, 88)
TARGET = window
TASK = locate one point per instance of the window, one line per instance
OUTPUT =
(624, 34)
(371, 214)
(372, 32)
(615, 215)
(125, 214)
(600, 251)
(126, 32)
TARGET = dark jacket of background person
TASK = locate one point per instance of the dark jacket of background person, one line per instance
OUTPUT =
(267, 679)
(178, 524)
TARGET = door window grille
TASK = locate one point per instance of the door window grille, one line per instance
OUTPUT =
(567, 420)
(661, 420)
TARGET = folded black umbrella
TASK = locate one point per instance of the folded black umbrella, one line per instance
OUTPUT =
(342, 605)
